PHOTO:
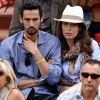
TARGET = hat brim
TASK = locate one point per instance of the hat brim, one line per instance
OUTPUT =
(69, 20)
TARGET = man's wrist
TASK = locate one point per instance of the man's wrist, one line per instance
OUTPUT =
(40, 61)
(37, 82)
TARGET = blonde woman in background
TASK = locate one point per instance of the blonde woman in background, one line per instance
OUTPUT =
(8, 90)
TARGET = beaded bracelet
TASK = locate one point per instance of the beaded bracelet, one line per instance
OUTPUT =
(40, 61)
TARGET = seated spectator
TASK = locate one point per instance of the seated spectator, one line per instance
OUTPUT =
(29, 52)
(4, 3)
(94, 27)
(8, 90)
(91, 9)
(86, 5)
(89, 87)
(77, 46)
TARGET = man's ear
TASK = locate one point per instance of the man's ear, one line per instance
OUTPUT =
(99, 80)
(42, 19)
(20, 18)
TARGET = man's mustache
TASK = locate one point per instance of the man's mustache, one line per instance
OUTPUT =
(31, 28)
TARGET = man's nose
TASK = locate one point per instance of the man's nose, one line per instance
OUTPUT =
(31, 23)
(89, 78)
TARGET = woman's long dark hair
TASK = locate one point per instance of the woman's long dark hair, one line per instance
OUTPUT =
(83, 37)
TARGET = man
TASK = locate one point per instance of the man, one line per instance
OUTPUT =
(89, 88)
(51, 8)
(29, 51)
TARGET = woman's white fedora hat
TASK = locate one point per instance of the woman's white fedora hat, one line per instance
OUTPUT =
(72, 14)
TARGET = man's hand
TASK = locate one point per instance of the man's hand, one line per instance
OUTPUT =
(29, 45)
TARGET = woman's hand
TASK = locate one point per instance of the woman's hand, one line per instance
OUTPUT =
(51, 61)
(66, 82)
(63, 88)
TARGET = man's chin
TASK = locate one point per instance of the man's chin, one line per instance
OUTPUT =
(31, 34)
(89, 88)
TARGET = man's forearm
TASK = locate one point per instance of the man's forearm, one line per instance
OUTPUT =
(43, 66)
(27, 83)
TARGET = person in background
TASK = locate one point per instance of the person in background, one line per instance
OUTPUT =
(4, 3)
(94, 27)
(89, 87)
(51, 9)
(76, 45)
(91, 9)
(8, 87)
(31, 52)
(86, 6)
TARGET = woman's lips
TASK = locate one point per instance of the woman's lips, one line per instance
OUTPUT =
(68, 34)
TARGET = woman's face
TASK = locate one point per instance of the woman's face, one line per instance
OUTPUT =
(70, 30)
(3, 80)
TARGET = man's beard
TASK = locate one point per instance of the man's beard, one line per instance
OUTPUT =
(31, 31)
(89, 87)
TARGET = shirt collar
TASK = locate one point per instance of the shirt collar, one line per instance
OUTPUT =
(79, 91)
(99, 92)
(41, 39)
(20, 37)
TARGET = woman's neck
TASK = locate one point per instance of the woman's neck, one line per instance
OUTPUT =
(70, 43)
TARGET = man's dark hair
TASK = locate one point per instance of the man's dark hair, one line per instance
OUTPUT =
(31, 5)
(92, 62)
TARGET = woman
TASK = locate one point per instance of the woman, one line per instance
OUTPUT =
(8, 90)
(77, 46)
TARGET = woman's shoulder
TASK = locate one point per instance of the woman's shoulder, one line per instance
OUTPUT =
(94, 43)
(96, 50)
(15, 94)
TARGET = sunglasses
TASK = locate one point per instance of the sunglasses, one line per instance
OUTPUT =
(28, 57)
(93, 76)
(1, 73)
